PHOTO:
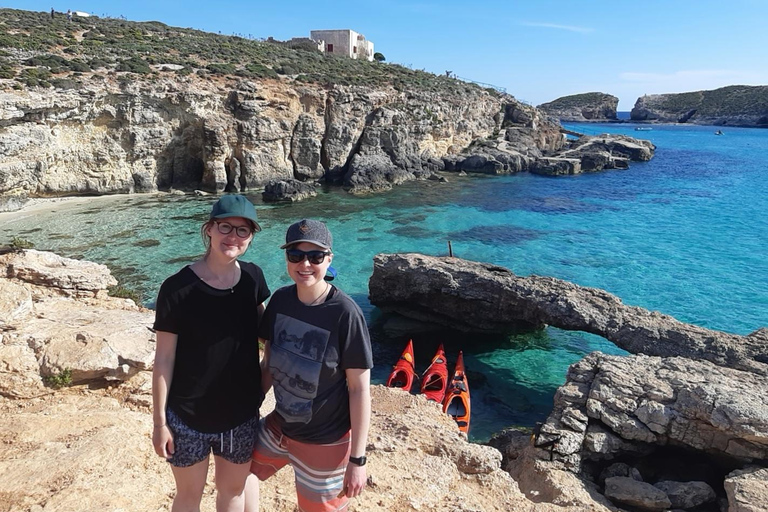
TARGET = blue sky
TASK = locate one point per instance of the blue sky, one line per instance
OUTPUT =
(538, 50)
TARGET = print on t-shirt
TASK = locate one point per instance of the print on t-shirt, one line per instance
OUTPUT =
(295, 363)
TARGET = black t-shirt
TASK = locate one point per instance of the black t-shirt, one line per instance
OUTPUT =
(216, 382)
(310, 348)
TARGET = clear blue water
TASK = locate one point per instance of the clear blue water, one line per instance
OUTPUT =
(685, 234)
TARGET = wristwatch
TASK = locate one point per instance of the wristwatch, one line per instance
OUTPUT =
(358, 461)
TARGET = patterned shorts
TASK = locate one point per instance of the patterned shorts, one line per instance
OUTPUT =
(318, 468)
(191, 446)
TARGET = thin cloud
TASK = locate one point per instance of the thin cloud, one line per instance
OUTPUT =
(569, 28)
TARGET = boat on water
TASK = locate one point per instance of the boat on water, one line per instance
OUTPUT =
(643, 129)
(404, 371)
(434, 382)
(457, 402)
(719, 132)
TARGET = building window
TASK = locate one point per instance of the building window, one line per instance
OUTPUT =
(330, 48)
(354, 49)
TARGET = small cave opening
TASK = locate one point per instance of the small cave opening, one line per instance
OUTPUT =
(669, 464)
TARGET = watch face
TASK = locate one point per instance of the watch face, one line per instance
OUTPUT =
(360, 461)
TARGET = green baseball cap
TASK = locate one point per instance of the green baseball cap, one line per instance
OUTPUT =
(235, 205)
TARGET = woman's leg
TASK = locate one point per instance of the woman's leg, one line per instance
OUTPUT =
(251, 493)
(230, 485)
(190, 483)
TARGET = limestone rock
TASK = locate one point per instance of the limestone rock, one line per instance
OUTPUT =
(687, 495)
(481, 297)
(747, 490)
(628, 491)
(591, 106)
(72, 277)
(288, 191)
(707, 408)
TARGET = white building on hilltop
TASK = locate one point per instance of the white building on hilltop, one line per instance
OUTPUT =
(346, 43)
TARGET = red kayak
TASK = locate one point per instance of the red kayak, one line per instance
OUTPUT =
(435, 379)
(456, 401)
(403, 372)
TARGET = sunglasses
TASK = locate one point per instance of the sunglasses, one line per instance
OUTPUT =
(314, 257)
(226, 228)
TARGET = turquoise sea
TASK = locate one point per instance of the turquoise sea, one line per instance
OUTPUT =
(685, 234)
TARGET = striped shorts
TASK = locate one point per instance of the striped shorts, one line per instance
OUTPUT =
(318, 468)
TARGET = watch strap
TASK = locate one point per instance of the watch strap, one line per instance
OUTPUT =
(359, 461)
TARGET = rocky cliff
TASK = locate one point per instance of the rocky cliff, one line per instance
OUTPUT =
(580, 108)
(116, 136)
(736, 105)
(105, 106)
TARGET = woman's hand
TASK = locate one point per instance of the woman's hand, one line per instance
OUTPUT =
(354, 480)
(162, 440)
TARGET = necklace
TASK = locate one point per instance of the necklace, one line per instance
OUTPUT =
(219, 279)
(325, 293)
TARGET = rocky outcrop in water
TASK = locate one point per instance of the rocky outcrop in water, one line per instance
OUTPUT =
(652, 433)
(736, 105)
(277, 191)
(481, 297)
(581, 108)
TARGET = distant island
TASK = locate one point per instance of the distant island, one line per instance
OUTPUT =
(586, 107)
(735, 105)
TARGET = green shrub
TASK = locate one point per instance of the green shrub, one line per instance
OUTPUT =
(134, 65)
(59, 380)
(124, 292)
(19, 243)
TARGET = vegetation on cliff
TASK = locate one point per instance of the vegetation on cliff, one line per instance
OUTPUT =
(38, 50)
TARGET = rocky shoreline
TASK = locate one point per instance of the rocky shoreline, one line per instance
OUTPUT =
(119, 136)
(75, 376)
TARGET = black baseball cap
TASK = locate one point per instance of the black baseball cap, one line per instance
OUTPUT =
(308, 230)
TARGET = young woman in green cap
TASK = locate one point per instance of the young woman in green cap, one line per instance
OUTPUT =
(206, 383)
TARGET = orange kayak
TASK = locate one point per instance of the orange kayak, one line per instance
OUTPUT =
(435, 380)
(403, 372)
(456, 401)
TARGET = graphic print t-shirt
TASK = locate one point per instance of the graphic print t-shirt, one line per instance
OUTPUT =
(310, 348)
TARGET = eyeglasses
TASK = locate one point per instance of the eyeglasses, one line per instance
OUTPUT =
(314, 257)
(226, 228)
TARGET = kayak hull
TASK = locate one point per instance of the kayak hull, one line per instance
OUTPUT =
(457, 402)
(434, 382)
(403, 373)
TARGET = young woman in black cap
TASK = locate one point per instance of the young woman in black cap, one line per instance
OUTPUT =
(206, 383)
(318, 359)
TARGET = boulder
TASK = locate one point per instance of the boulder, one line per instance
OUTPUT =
(68, 276)
(747, 490)
(628, 491)
(687, 495)
(288, 191)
